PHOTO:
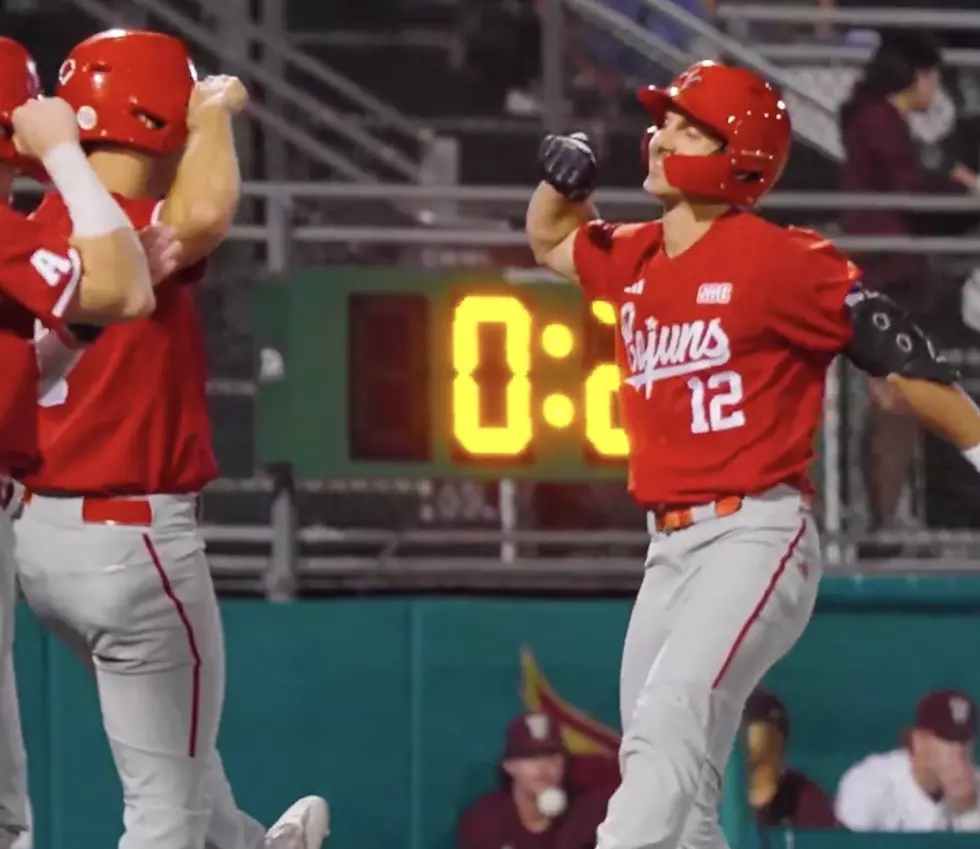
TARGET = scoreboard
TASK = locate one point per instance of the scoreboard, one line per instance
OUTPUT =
(410, 373)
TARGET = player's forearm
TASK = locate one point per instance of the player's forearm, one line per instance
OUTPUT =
(947, 411)
(552, 218)
(202, 203)
(115, 284)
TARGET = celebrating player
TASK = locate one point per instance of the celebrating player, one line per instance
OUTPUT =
(727, 326)
(107, 544)
(98, 277)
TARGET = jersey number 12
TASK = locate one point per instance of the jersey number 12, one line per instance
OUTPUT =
(715, 402)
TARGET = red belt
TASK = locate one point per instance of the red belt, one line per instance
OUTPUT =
(111, 510)
(670, 519)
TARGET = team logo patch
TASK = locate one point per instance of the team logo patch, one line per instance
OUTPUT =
(959, 708)
(714, 293)
(538, 725)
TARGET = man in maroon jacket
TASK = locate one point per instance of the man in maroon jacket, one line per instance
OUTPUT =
(531, 809)
(780, 796)
(528, 808)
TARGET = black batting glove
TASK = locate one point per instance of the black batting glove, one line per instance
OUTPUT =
(568, 165)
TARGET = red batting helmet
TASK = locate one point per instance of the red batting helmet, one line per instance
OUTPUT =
(131, 88)
(745, 112)
(18, 84)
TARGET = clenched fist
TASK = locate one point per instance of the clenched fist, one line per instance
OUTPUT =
(568, 165)
(219, 92)
(41, 125)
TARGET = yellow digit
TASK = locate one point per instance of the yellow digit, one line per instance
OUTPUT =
(515, 436)
(600, 387)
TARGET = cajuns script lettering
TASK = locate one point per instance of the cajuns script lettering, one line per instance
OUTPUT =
(659, 351)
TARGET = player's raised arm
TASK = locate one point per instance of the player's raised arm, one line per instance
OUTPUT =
(887, 343)
(114, 282)
(560, 204)
(203, 200)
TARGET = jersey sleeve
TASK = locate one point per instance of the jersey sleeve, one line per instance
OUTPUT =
(39, 269)
(809, 293)
(606, 254)
(857, 803)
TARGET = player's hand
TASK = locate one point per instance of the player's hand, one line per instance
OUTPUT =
(162, 250)
(218, 92)
(42, 125)
(568, 165)
(957, 777)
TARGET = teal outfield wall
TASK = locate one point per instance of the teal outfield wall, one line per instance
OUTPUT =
(395, 708)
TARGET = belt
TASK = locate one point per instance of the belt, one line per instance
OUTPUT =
(110, 510)
(668, 520)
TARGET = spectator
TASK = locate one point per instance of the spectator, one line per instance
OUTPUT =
(780, 796)
(526, 812)
(881, 156)
(592, 779)
(930, 784)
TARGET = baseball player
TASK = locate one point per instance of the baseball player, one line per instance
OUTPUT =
(930, 783)
(727, 326)
(100, 276)
(107, 542)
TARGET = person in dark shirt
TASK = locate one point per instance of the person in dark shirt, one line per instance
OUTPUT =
(530, 806)
(881, 155)
(592, 779)
(780, 796)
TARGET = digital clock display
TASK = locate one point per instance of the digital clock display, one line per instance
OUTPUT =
(427, 374)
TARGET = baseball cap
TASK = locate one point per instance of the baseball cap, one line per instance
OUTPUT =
(949, 714)
(532, 735)
(765, 706)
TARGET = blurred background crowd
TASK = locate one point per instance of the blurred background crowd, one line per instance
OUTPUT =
(402, 134)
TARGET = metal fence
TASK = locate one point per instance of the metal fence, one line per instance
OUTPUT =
(280, 534)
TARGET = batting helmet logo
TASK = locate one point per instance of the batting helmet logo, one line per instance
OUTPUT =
(66, 71)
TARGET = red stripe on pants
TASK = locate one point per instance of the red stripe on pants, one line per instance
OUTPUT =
(191, 642)
(757, 610)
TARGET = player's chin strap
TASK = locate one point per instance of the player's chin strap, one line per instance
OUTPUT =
(887, 343)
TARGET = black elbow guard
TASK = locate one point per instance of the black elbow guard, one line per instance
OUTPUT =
(886, 340)
(85, 333)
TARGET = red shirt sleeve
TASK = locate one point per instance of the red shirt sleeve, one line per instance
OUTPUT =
(807, 299)
(39, 269)
(606, 255)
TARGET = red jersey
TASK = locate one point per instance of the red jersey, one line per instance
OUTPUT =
(39, 273)
(132, 416)
(724, 351)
